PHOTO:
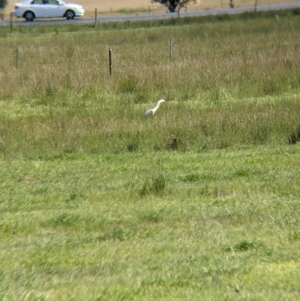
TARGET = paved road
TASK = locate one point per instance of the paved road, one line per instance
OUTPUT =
(140, 17)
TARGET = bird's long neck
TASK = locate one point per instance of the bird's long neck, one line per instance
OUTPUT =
(157, 106)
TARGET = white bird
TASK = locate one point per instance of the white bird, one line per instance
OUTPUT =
(153, 110)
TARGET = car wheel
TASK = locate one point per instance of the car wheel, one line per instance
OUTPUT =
(29, 16)
(70, 15)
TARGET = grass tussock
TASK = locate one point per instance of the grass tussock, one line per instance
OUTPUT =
(154, 186)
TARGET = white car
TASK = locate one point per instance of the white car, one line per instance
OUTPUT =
(33, 9)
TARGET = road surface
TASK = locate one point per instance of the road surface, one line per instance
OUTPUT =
(143, 17)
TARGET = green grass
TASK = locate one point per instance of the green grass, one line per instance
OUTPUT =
(200, 202)
(224, 225)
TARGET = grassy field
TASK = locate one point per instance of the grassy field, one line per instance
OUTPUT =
(199, 202)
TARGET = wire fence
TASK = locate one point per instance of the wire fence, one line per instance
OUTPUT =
(172, 63)
(118, 58)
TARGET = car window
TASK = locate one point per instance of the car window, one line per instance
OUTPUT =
(37, 2)
(40, 2)
(53, 2)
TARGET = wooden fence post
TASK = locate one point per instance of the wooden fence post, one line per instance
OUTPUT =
(10, 21)
(110, 61)
(96, 17)
(255, 5)
(170, 49)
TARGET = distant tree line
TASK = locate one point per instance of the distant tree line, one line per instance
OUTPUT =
(172, 5)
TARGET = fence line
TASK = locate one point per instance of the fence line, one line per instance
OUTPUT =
(114, 58)
(122, 50)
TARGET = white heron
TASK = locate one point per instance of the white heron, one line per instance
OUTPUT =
(153, 110)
